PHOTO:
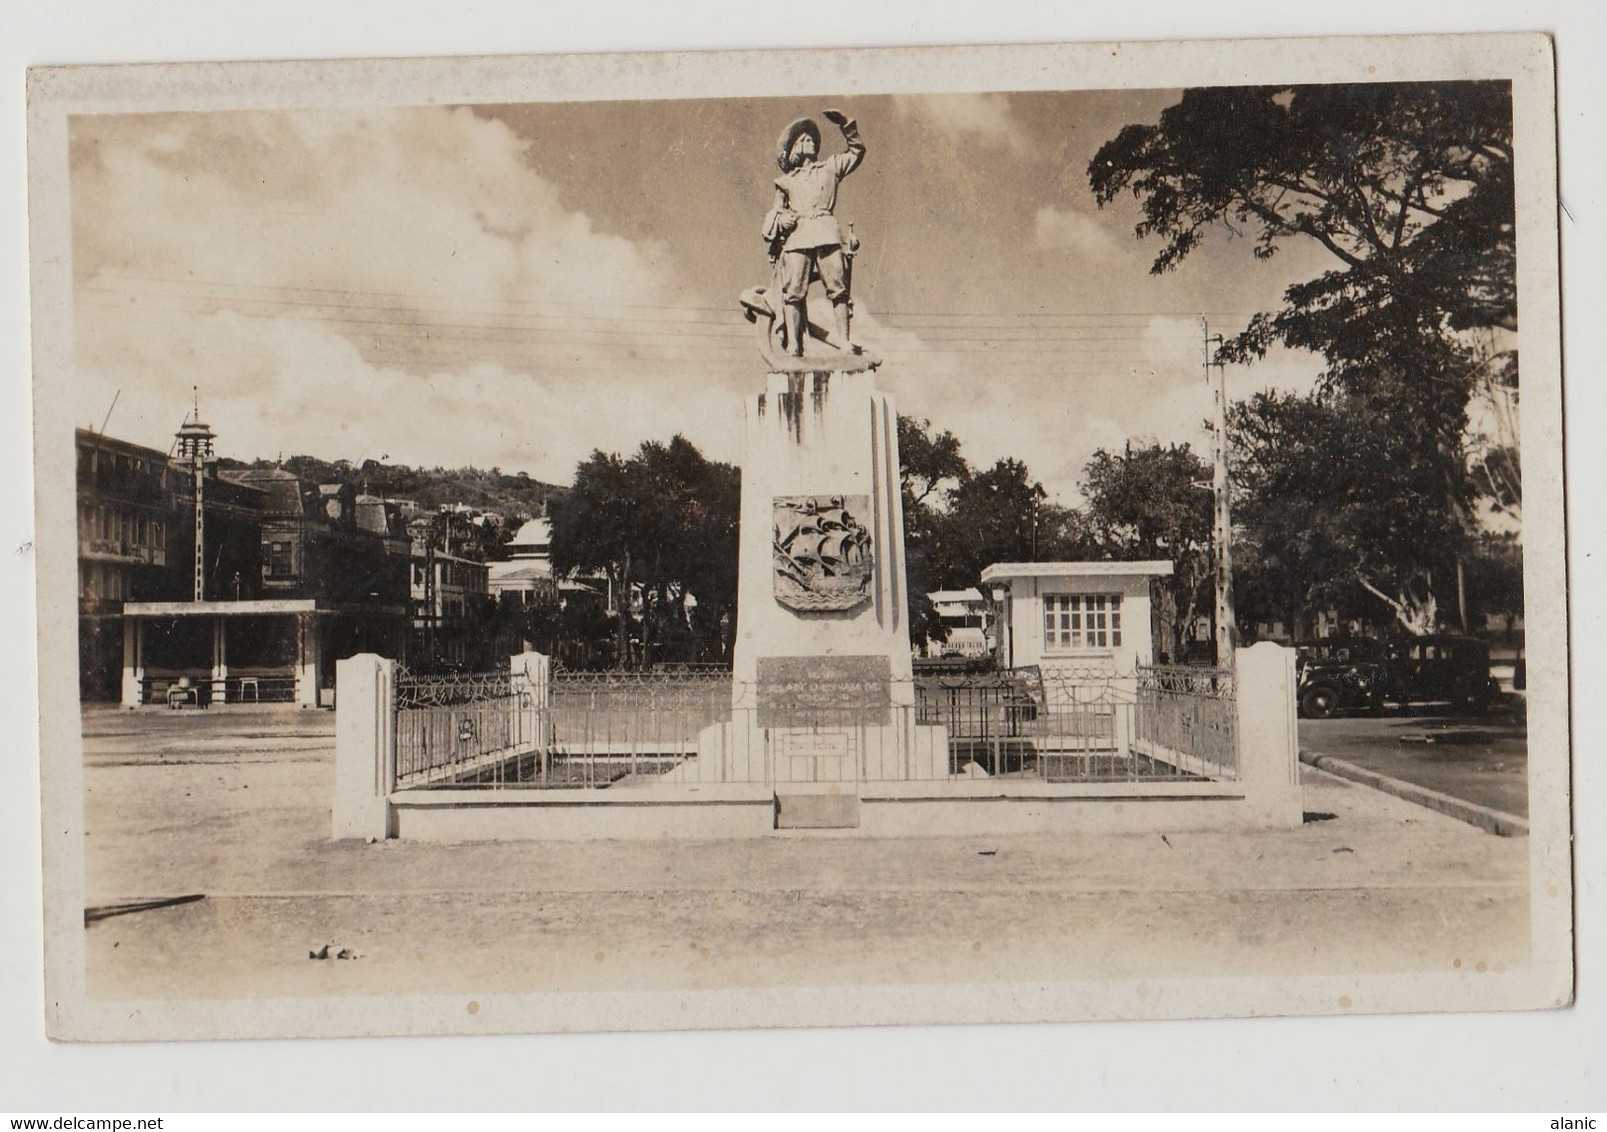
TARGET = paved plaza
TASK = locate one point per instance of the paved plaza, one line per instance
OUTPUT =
(234, 804)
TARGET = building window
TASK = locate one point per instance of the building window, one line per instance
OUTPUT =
(281, 563)
(1082, 621)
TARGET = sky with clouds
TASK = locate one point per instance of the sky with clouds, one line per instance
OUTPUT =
(518, 285)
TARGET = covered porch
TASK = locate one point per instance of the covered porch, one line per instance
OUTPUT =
(201, 653)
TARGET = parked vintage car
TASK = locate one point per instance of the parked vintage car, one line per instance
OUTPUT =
(1442, 668)
(1358, 673)
(1341, 674)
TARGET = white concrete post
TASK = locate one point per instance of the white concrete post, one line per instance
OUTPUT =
(133, 661)
(220, 660)
(537, 669)
(308, 660)
(1269, 754)
(365, 746)
(535, 721)
(1121, 731)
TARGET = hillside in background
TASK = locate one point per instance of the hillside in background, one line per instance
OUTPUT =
(515, 497)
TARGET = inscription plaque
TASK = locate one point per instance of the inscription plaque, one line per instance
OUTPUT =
(815, 744)
(813, 691)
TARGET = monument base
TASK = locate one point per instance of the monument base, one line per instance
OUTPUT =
(823, 694)
(824, 759)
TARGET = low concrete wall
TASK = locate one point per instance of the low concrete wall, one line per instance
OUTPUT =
(1265, 794)
(580, 815)
(515, 815)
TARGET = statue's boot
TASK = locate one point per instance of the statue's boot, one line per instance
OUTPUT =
(793, 313)
(839, 318)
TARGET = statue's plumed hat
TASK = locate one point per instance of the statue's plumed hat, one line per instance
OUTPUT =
(791, 134)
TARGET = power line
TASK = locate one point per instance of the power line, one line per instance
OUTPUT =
(660, 307)
(731, 327)
(634, 335)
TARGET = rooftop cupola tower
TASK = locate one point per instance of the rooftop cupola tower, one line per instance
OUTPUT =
(195, 448)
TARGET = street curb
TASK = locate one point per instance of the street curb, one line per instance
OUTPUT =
(1491, 821)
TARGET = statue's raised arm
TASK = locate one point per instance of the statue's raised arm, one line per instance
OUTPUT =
(854, 152)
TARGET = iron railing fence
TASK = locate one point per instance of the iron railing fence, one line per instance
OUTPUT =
(690, 668)
(1057, 723)
(481, 728)
(1192, 711)
(609, 726)
(643, 728)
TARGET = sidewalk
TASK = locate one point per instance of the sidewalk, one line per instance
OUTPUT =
(1374, 883)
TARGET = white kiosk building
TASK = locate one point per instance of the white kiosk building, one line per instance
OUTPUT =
(1074, 615)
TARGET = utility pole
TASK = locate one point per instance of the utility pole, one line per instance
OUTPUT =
(430, 595)
(1221, 522)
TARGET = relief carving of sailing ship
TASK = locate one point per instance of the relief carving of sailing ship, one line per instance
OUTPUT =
(823, 553)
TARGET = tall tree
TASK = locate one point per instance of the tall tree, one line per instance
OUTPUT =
(959, 519)
(929, 466)
(1408, 186)
(999, 514)
(595, 530)
(661, 526)
(926, 463)
(691, 583)
(1290, 474)
(1331, 503)
(1147, 503)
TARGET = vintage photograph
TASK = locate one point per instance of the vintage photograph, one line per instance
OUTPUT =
(787, 539)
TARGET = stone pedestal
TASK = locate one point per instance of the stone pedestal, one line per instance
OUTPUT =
(822, 435)
(823, 695)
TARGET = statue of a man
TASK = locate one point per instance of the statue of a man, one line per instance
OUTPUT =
(804, 236)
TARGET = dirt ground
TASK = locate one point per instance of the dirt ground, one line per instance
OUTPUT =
(235, 805)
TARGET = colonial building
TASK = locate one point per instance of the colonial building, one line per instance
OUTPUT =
(527, 572)
(452, 609)
(136, 543)
(292, 577)
(127, 515)
(966, 615)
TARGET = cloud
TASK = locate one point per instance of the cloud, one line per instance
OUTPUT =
(407, 282)
(1004, 399)
(341, 284)
(988, 117)
(1053, 396)
(1083, 236)
(300, 389)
